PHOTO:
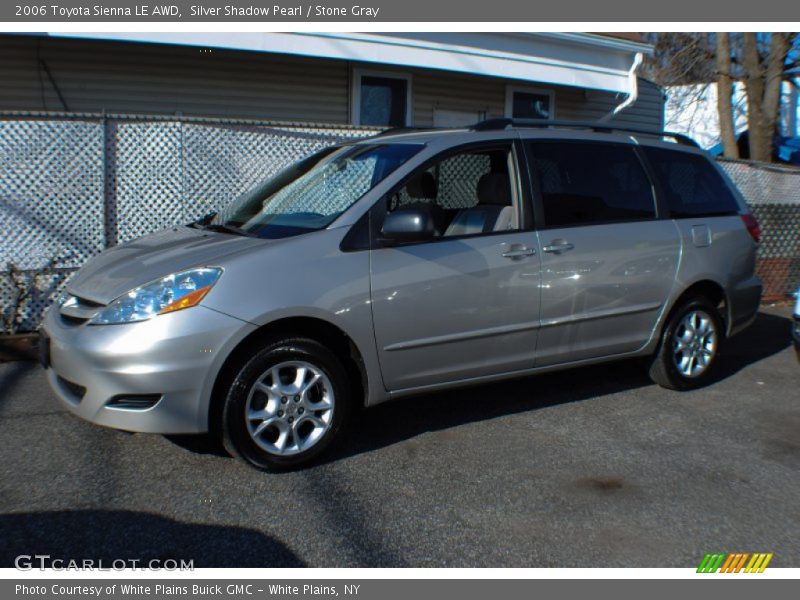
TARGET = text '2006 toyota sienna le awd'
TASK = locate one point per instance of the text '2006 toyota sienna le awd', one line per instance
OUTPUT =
(405, 263)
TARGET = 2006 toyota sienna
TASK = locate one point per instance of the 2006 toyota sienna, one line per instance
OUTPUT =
(405, 263)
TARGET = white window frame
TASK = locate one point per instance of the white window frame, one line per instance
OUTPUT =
(511, 89)
(355, 104)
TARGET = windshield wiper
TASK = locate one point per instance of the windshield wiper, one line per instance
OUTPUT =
(204, 220)
(222, 227)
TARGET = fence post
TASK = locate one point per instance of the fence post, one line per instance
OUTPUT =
(109, 202)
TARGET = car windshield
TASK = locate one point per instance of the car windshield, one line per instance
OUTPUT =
(310, 194)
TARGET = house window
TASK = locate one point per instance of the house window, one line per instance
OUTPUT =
(529, 103)
(382, 99)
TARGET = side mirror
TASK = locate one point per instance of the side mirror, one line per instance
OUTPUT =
(407, 225)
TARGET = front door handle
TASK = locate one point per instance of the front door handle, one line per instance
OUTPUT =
(519, 252)
(558, 246)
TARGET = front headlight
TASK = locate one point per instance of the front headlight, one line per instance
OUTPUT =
(65, 299)
(168, 294)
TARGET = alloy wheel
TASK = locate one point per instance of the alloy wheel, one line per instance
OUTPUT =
(289, 408)
(694, 343)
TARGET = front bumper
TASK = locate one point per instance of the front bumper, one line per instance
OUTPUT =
(171, 359)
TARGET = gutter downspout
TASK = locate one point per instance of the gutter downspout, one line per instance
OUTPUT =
(633, 90)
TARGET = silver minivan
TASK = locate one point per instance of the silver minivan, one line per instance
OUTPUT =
(406, 263)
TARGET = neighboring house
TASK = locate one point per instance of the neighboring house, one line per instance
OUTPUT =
(397, 79)
(692, 110)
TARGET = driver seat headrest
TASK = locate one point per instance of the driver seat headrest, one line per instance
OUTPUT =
(422, 185)
(494, 190)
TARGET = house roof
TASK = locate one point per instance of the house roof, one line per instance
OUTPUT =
(585, 60)
(629, 36)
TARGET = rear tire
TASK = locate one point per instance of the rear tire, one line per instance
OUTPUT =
(286, 405)
(689, 348)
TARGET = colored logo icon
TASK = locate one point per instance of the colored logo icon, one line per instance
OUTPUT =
(735, 562)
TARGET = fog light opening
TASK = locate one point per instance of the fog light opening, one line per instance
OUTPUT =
(74, 391)
(134, 401)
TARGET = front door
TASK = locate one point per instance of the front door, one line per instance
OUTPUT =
(466, 303)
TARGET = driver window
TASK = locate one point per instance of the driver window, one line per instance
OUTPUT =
(467, 193)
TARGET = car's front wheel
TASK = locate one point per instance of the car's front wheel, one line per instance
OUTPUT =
(286, 405)
(689, 346)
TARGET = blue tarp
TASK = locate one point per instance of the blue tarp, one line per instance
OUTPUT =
(789, 150)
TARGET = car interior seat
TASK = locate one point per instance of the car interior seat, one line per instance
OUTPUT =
(494, 211)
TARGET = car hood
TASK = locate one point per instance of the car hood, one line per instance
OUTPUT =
(122, 268)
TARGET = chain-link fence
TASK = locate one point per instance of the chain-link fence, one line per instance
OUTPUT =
(74, 184)
(773, 195)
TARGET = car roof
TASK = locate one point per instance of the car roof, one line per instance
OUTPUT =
(411, 135)
(455, 136)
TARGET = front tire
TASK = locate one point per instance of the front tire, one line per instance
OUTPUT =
(689, 347)
(286, 405)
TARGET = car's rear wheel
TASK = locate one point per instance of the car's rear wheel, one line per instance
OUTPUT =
(689, 347)
(286, 405)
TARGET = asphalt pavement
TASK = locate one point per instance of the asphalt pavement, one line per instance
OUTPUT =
(589, 467)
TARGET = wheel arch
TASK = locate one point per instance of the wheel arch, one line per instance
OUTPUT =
(707, 288)
(314, 328)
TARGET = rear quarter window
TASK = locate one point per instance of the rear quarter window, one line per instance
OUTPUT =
(691, 184)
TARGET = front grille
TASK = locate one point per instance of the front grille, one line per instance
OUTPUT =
(134, 401)
(77, 392)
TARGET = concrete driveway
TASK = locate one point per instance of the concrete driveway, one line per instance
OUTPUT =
(591, 467)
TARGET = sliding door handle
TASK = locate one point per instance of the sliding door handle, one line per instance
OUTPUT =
(519, 252)
(558, 246)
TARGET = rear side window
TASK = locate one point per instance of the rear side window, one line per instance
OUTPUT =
(587, 183)
(692, 185)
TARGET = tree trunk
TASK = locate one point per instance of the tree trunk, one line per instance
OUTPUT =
(779, 49)
(724, 93)
(757, 126)
(763, 84)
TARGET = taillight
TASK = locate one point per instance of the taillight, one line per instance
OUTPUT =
(753, 228)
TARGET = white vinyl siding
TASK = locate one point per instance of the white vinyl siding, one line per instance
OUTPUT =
(436, 90)
(143, 78)
(486, 97)
(590, 105)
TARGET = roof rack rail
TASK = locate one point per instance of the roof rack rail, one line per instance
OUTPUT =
(399, 130)
(497, 124)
